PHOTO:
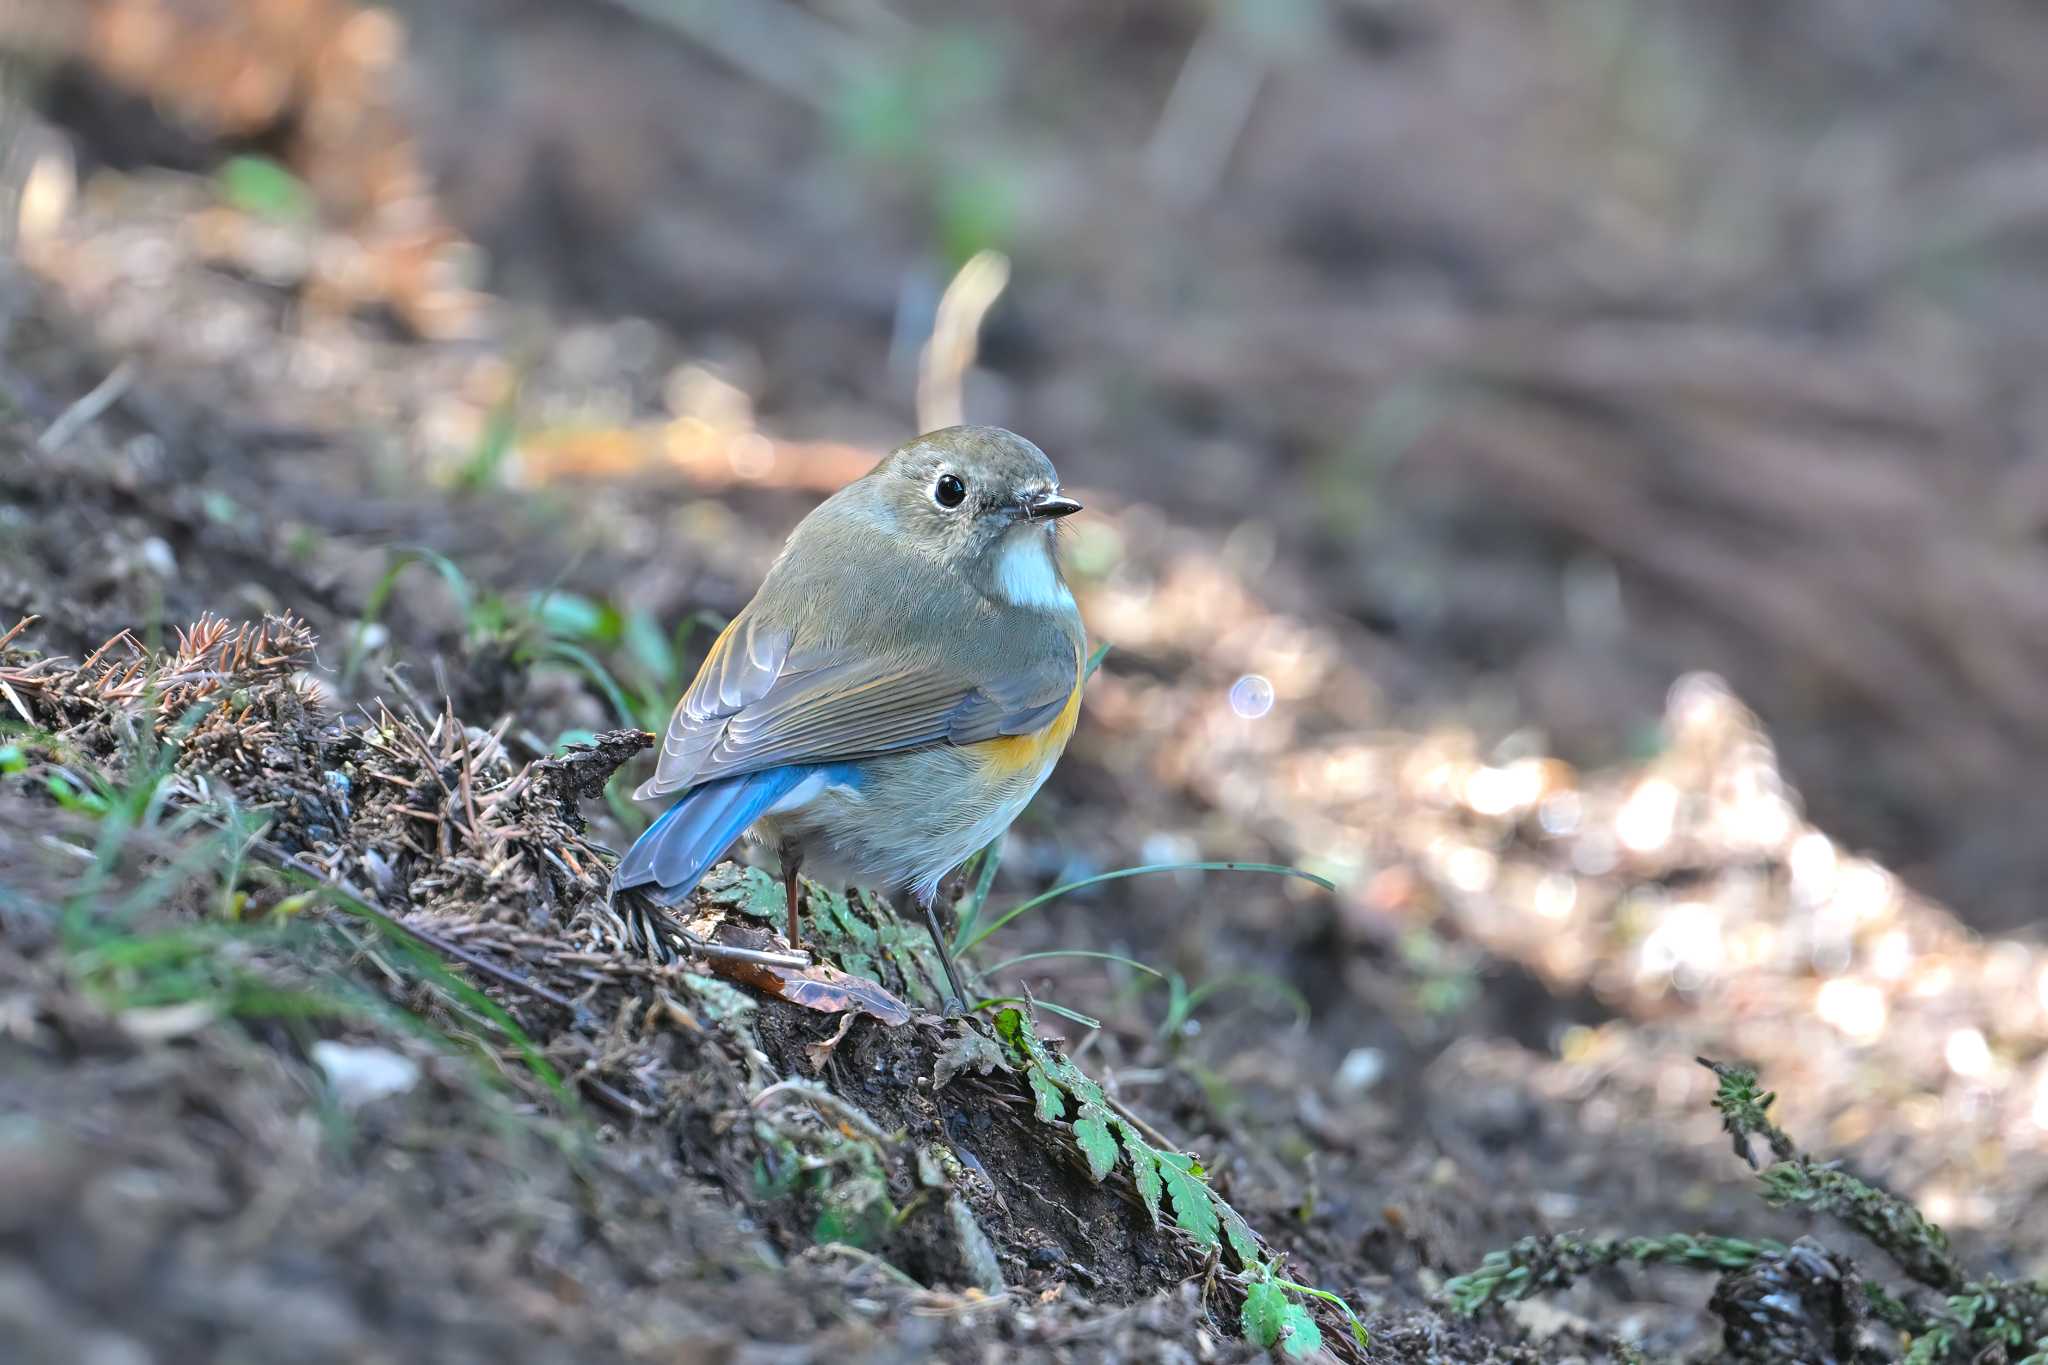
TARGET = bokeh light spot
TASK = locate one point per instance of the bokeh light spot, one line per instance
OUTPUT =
(1251, 696)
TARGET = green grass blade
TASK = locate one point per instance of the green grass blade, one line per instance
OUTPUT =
(598, 673)
(493, 443)
(1250, 981)
(1035, 1002)
(373, 609)
(1043, 897)
(1073, 952)
(650, 652)
(429, 965)
(687, 628)
(162, 882)
(985, 864)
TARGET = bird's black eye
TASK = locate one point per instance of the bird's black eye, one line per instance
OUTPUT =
(949, 491)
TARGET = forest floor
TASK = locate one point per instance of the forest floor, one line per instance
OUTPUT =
(315, 835)
(318, 1039)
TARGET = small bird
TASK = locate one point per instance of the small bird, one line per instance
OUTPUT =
(898, 689)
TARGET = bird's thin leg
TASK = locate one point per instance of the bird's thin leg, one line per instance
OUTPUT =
(958, 1003)
(792, 855)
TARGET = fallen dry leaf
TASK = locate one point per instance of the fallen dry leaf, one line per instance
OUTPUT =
(971, 1050)
(821, 1052)
(820, 986)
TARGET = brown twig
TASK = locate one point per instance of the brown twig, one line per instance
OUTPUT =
(614, 1097)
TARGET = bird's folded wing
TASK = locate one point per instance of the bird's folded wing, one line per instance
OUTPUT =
(757, 703)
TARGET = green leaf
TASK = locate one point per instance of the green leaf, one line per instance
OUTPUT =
(975, 213)
(649, 648)
(1300, 1335)
(494, 442)
(1091, 1130)
(1144, 1169)
(1052, 1104)
(852, 1223)
(397, 562)
(1010, 1025)
(261, 187)
(1358, 1332)
(1017, 1031)
(1264, 1315)
(1242, 1239)
(598, 673)
(1039, 1002)
(969, 1050)
(748, 890)
(784, 1179)
(72, 799)
(573, 616)
(1076, 1083)
(1192, 1208)
(832, 911)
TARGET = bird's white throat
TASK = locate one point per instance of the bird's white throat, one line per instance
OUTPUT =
(1025, 575)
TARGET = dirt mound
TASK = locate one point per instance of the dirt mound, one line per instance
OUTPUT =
(424, 834)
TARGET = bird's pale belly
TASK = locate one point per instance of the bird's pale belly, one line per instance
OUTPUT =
(906, 820)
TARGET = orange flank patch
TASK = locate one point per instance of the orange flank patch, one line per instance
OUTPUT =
(1020, 753)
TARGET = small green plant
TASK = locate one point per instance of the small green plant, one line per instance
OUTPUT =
(1535, 1264)
(1446, 979)
(72, 797)
(494, 443)
(1977, 1319)
(1184, 1002)
(627, 657)
(980, 872)
(130, 944)
(840, 1166)
(363, 638)
(1169, 1184)
(262, 188)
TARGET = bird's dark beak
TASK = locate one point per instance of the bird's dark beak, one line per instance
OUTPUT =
(1049, 506)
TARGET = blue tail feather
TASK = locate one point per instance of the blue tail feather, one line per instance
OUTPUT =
(672, 856)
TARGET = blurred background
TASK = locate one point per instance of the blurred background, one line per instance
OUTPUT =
(1575, 472)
